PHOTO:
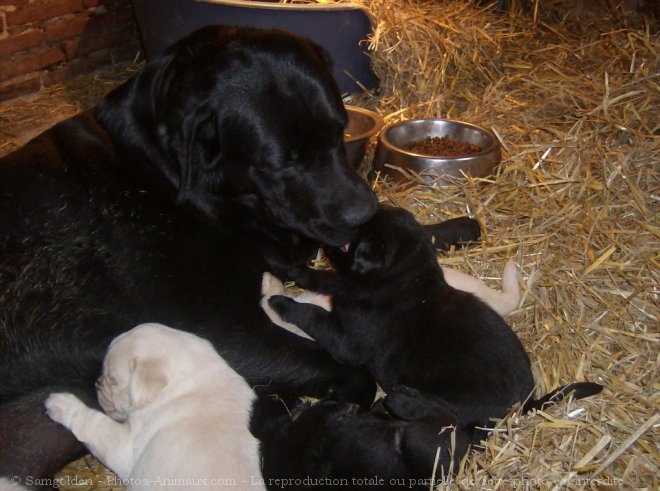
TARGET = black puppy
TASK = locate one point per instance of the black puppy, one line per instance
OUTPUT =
(222, 159)
(393, 312)
(331, 445)
(408, 440)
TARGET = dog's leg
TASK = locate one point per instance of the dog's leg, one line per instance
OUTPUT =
(270, 285)
(453, 232)
(320, 281)
(300, 366)
(107, 439)
(510, 295)
(321, 325)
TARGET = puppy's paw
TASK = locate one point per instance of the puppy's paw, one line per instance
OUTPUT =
(270, 285)
(510, 284)
(63, 408)
(281, 305)
(323, 301)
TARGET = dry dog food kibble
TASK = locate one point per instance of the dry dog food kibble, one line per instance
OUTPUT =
(442, 147)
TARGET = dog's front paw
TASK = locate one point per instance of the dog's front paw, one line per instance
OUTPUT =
(63, 407)
(281, 305)
(323, 301)
(271, 285)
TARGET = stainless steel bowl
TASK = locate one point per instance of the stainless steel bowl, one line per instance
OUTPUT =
(362, 125)
(394, 137)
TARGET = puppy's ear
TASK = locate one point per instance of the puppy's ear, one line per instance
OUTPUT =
(147, 380)
(369, 256)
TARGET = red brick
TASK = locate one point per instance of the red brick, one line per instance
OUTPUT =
(17, 30)
(84, 45)
(66, 27)
(13, 3)
(111, 4)
(30, 62)
(24, 40)
(14, 89)
(42, 10)
(101, 8)
(110, 21)
(79, 66)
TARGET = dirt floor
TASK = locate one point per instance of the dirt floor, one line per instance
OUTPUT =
(574, 100)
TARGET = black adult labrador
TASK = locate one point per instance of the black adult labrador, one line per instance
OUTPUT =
(393, 312)
(220, 160)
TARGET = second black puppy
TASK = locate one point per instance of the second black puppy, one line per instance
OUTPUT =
(343, 446)
(393, 312)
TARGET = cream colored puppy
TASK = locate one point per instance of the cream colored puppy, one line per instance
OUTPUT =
(503, 302)
(177, 414)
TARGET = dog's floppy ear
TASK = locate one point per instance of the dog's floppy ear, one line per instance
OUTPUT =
(147, 380)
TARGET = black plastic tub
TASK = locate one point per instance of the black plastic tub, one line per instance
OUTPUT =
(339, 27)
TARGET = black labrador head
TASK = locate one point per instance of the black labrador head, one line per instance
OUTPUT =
(247, 118)
(391, 241)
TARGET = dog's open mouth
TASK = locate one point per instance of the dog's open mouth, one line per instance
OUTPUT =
(345, 247)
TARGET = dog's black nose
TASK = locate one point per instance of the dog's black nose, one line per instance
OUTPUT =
(360, 209)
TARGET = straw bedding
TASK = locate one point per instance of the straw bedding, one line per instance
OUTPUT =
(576, 106)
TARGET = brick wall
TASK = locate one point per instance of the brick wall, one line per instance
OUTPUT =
(46, 41)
